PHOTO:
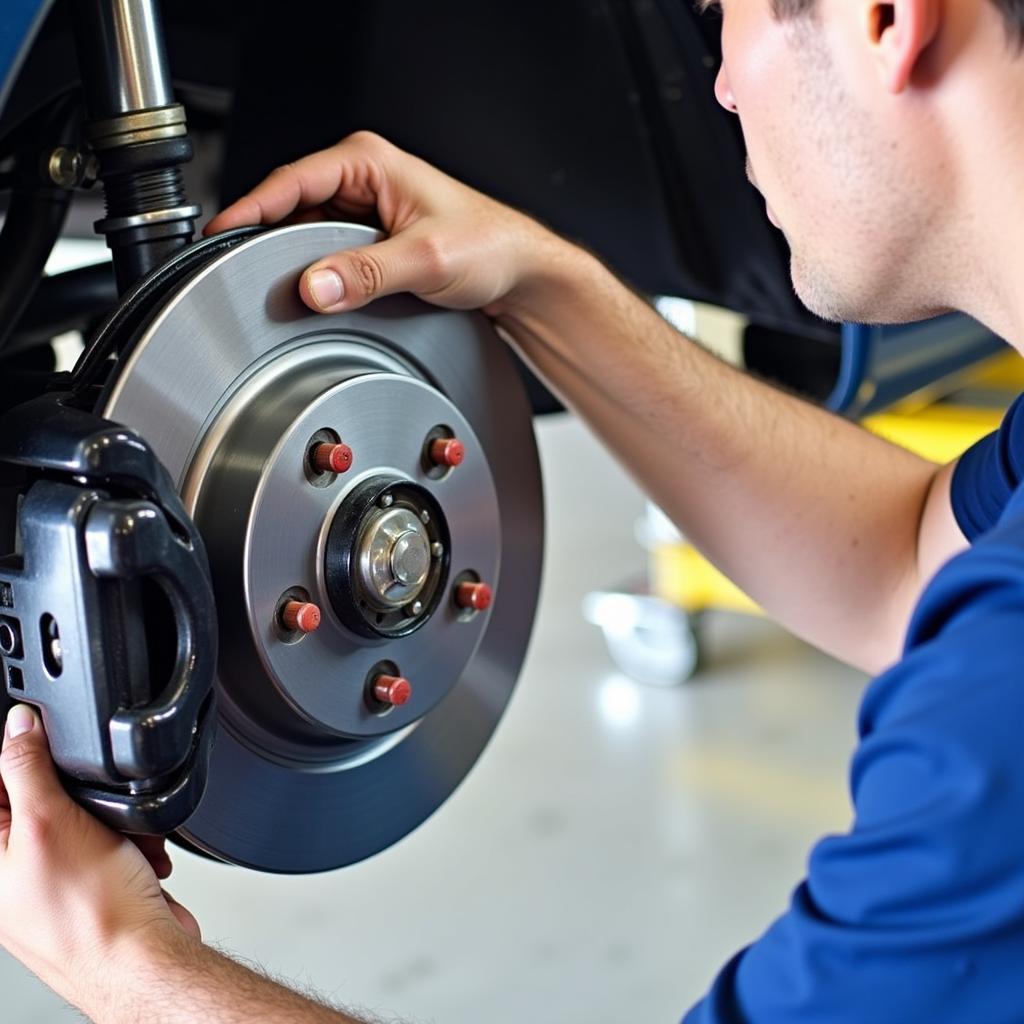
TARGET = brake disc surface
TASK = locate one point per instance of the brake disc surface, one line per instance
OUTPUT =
(236, 385)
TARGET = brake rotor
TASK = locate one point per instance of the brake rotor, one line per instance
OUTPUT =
(378, 468)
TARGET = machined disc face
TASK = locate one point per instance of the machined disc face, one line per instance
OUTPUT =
(238, 387)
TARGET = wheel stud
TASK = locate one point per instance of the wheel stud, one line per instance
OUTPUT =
(300, 616)
(331, 458)
(392, 690)
(447, 451)
(475, 597)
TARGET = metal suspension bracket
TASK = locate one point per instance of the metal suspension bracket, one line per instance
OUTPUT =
(100, 531)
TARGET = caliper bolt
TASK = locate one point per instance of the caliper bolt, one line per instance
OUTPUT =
(475, 597)
(392, 690)
(332, 458)
(447, 451)
(300, 616)
(8, 639)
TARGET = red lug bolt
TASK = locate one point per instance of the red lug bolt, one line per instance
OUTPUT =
(332, 458)
(447, 451)
(475, 596)
(300, 616)
(393, 690)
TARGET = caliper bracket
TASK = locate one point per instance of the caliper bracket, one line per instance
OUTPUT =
(99, 521)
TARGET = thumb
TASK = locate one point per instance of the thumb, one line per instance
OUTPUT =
(26, 766)
(353, 277)
(185, 918)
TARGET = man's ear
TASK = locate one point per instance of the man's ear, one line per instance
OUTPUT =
(900, 31)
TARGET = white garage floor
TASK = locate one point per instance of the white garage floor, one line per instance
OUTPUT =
(613, 847)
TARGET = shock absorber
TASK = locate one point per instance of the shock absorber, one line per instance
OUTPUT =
(137, 131)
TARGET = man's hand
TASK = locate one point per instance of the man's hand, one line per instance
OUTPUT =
(75, 897)
(447, 243)
(82, 907)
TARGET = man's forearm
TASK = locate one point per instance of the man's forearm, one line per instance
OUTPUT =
(175, 979)
(814, 517)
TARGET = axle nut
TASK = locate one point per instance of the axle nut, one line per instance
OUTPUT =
(300, 616)
(476, 597)
(392, 690)
(332, 458)
(447, 451)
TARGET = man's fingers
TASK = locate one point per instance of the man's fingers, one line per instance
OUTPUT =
(351, 278)
(26, 766)
(310, 216)
(153, 849)
(183, 916)
(346, 173)
(5, 820)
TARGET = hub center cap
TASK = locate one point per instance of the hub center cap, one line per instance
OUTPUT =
(394, 557)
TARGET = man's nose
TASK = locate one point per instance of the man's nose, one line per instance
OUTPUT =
(723, 91)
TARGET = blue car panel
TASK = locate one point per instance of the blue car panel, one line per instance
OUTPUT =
(19, 22)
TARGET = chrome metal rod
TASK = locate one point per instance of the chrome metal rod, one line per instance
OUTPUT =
(124, 62)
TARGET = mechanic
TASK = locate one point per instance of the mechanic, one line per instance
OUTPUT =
(888, 140)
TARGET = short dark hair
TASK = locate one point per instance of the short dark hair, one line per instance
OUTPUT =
(1013, 12)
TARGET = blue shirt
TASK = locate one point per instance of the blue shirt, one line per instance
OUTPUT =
(917, 913)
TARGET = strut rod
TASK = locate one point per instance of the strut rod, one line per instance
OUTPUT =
(137, 131)
(122, 59)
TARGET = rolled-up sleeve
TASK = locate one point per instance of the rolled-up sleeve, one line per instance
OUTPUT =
(988, 475)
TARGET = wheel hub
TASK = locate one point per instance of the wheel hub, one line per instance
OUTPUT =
(387, 556)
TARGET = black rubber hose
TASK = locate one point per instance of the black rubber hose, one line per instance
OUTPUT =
(35, 218)
(65, 302)
(32, 226)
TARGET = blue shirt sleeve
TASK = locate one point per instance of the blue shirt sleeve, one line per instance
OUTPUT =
(988, 474)
(917, 913)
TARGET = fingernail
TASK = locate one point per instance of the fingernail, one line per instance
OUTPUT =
(20, 719)
(327, 288)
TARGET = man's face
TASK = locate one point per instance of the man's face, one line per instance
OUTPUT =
(850, 172)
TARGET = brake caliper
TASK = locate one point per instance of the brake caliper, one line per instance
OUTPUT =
(107, 616)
